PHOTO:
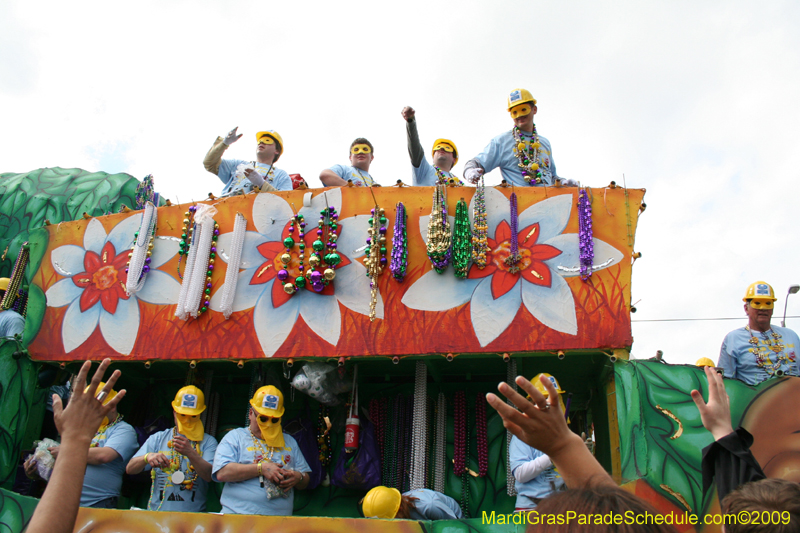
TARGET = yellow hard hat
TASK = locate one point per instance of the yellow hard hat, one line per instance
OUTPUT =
(276, 137)
(381, 502)
(268, 401)
(705, 361)
(540, 387)
(111, 394)
(189, 401)
(760, 290)
(519, 97)
(4, 283)
(445, 143)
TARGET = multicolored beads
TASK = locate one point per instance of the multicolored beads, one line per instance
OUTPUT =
(529, 154)
(290, 287)
(480, 227)
(376, 254)
(439, 236)
(514, 258)
(212, 254)
(186, 236)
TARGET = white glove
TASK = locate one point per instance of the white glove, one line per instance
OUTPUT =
(254, 177)
(232, 137)
(473, 174)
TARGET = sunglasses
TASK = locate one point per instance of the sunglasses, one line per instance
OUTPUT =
(360, 149)
(265, 419)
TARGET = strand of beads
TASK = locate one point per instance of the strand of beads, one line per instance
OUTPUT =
(17, 274)
(328, 217)
(399, 244)
(21, 302)
(462, 237)
(299, 282)
(529, 155)
(513, 257)
(186, 236)
(138, 264)
(511, 373)
(460, 446)
(480, 227)
(144, 192)
(440, 451)
(419, 441)
(376, 255)
(585, 235)
(452, 180)
(480, 430)
(212, 254)
(439, 236)
(409, 410)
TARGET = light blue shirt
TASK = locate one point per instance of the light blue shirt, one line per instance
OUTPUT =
(11, 323)
(104, 481)
(359, 177)
(248, 497)
(227, 173)
(177, 498)
(738, 356)
(425, 174)
(539, 487)
(432, 505)
(500, 153)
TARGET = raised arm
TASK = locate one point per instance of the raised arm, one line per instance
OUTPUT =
(213, 158)
(415, 151)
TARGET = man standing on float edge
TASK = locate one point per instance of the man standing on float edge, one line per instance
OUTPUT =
(524, 157)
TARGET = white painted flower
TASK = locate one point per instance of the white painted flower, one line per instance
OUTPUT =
(258, 287)
(494, 293)
(94, 288)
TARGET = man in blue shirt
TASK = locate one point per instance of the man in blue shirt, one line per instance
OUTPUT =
(361, 155)
(241, 176)
(759, 351)
(260, 464)
(419, 504)
(444, 153)
(179, 458)
(11, 322)
(534, 473)
(110, 449)
(524, 157)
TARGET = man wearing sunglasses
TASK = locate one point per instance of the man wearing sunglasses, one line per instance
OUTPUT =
(260, 464)
(444, 155)
(759, 351)
(179, 458)
(524, 157)
(241, 176)
(361, 156)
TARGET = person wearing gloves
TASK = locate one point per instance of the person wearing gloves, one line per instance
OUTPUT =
(525, 158)
(241, 176)
(444, 154)
(534, 473)
(179, 458)
(419, 504)
(759, 350)
(361, 156)
(260, 464)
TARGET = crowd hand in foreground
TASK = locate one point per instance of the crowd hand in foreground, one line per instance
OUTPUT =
(77, 425)
(716, 413)
(543, 426)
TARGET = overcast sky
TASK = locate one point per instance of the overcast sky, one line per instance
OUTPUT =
(697, 102)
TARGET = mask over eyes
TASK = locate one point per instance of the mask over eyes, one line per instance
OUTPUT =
(360, 149)
(520, 111)
(266, 139)
(762, 304)
(190, 426)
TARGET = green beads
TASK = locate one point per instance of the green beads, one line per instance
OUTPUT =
(288, 242)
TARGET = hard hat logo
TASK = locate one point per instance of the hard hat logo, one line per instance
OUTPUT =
(270, 402)
(515, 96)
(762, 289)
(189, 401)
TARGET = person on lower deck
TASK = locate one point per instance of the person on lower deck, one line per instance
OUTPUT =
(419, 504)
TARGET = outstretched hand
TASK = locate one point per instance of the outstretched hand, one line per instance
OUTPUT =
(716, 413)
(408, 113)
(85, 410)
(232, 137)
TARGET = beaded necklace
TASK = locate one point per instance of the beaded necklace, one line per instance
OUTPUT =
(460, 448)
(440, 444)
(762, 353)
(376, 255)
(480, 430)
(528, 152)
(290, 287)
(480, 227)
(451, 180)
(212, 254)
(17, 274)
(144, 192)
(419, 433)
(399, 244)
(585, 235)
(462, 237)
(513, 258)
(326, 242)
(186, 236)
(151, 235)
(101, 433)
(439, 237)
(175, 476)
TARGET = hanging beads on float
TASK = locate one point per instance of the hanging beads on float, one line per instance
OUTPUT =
(399, 244)
(514, 258)
(585, 235)
(439, 235)
(376, 254)
(462, 240)
(480, 227)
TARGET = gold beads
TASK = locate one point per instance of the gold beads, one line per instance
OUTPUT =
(286, 259)
(329, 274)
(313, 261)
(288, 288)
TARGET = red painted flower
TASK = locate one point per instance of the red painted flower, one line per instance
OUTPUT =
(104, 278)
(272, 252)
(531, 264)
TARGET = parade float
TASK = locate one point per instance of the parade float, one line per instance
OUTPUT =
(420, 298)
